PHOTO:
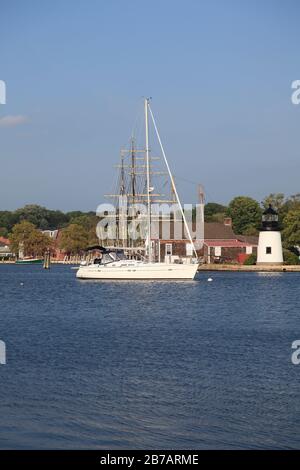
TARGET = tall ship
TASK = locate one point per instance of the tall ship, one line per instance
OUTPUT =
(113, 263)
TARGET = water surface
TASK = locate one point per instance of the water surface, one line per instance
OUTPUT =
(193, 365)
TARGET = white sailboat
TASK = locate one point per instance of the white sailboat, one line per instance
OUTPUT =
(113, 265)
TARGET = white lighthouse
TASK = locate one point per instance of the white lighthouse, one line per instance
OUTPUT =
(269, 244)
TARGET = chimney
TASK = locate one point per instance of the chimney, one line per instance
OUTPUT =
(228, 221)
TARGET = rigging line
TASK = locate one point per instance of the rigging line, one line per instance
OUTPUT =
(210, 197)
(136, 121)
(186, 180)
(135, 124)
(172, 180)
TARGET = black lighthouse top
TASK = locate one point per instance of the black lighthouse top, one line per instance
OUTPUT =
(270, 219)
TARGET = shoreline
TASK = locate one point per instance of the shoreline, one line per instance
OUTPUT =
(253, 268)
(210, 267)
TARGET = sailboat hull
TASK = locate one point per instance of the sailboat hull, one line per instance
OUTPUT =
(142, 271)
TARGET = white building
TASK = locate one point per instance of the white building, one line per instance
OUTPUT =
(269, 244)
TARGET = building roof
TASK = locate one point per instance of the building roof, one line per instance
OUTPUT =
(4, 241)
(217, 230)
(226, 243)
(251, 239)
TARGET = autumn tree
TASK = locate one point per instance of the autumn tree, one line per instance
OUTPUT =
(32, 240)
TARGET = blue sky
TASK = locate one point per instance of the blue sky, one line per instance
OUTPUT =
(219, 73)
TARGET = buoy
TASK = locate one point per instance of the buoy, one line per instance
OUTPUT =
(21, 283)
(210, 279)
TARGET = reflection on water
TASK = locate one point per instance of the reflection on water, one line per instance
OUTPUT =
(149, 364)
(270, 274)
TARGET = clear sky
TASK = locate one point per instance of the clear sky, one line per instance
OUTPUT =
(219, 73)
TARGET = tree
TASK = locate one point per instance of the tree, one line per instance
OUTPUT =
(250, 260)
(7, 220)
(32, 240)
(34, 214)
(74, 239)
(290, 258)
(57, 219)
(275, 199)
(292, 203)
(214, 212)
(245, 213)
(41, 217)
(291, 231)
(89, 223)
(3, 232)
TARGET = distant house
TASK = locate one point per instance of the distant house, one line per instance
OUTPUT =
(222, 245)
(5, 250)
(51, 233)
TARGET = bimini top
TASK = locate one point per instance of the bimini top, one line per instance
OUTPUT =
(110, 256)
(96, 247)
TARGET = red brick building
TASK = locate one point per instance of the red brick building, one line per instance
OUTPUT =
(220, 245)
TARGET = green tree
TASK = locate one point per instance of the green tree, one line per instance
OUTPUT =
(250, 260)
(7, 220)
(245, 213)
(214, 212)
(41, 217)
(276, 200)
(291, 229)
(74, 239)
(292, 203)
(34, 214)
(57, 219)
(290, 258)
(89, 223)
(32, 240)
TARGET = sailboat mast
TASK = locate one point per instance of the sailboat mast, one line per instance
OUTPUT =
(148, 182)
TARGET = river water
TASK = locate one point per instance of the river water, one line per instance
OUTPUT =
(115, 365)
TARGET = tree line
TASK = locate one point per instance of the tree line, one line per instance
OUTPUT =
(79, 228)
(24, 227)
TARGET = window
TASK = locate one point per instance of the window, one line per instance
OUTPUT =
(268, 250)
(218, 250)
(169, 249)
(189, 249)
